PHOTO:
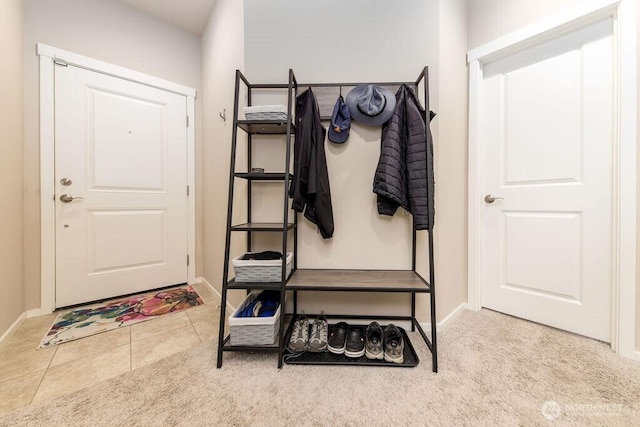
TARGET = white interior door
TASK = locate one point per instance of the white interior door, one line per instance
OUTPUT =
(121, 153)
(547, 129)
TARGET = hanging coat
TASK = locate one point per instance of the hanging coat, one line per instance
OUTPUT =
(401, 175)
(310, 185)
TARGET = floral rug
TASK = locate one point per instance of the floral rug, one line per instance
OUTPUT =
(94, 319)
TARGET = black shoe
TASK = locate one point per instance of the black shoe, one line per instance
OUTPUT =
(355, 343)
(338, 338)
(373, 342)
(393, 344)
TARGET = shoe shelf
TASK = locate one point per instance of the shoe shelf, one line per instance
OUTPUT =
(327, 358)
(398, 281)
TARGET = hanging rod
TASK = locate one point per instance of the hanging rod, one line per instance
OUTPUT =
(355, 84)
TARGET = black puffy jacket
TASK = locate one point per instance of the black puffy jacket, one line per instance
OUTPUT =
(401, 175)
(310, 185)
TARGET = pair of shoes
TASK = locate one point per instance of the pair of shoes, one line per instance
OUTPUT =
(301, 340)
(349, 341)
(264, 305)
(318, 338)
(387, 345)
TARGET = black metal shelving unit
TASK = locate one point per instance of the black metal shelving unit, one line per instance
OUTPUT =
(258, 127)
(300, 280)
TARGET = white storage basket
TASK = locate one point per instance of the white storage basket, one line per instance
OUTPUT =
(266, 112)
(253, 330)
(260, 270)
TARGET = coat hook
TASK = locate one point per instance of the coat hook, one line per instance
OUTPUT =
(341, 91)
(223, 115)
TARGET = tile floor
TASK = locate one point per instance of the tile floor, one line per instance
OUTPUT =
(29, 374)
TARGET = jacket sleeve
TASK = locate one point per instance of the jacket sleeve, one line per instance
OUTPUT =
(319, 209)
(389, 182)
(311, 192)
(321, 204)
(419, 139)
(301, 155)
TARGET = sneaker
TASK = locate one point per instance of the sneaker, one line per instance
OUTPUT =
(318, 339)
(393, 344)
(300, 335)
(373, 342)
(338, 339)
(355, 343)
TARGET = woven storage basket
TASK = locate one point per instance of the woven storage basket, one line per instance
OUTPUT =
(260, 271)
(253, 330)
(266, 112)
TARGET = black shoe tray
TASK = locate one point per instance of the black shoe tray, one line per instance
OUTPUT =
(328, 358)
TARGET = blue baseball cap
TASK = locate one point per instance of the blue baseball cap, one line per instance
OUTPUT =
(340, 122)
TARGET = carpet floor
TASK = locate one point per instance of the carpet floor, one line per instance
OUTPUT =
(494, 370)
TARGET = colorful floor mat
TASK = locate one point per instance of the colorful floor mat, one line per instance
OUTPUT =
(97, 318)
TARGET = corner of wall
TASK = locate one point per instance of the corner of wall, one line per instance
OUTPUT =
(12, 165)
(222, 53)
(451, 156)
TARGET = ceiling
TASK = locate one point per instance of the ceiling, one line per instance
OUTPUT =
(190, 15)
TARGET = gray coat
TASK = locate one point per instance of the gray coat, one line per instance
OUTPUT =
(401, 175)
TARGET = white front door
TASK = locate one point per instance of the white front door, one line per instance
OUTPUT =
(547, 129)
(120, 152)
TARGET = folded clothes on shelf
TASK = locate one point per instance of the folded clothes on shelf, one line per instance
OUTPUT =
(262, 256)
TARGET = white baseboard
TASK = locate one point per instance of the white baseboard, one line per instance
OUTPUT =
(35, 313)
(13, 328)
(440, 326)
(215, 291)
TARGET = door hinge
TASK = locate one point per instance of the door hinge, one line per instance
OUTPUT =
(187, 259)
(187, 190)
(187, 121)
(60, 62)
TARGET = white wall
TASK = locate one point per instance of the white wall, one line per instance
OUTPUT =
(369, 41)
(109, 31)
(11, 164)
(222, 54)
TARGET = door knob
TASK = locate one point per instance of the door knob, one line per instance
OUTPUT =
(490, 199)
(66, 181)
(65, 198)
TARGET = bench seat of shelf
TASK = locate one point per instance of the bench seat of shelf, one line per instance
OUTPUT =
(357, 281)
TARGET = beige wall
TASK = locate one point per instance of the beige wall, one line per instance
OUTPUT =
(491, 19)
(452, 158)
(222, 54)
(11, 138)
(109, 31)
(342, 41)
(638, 183)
